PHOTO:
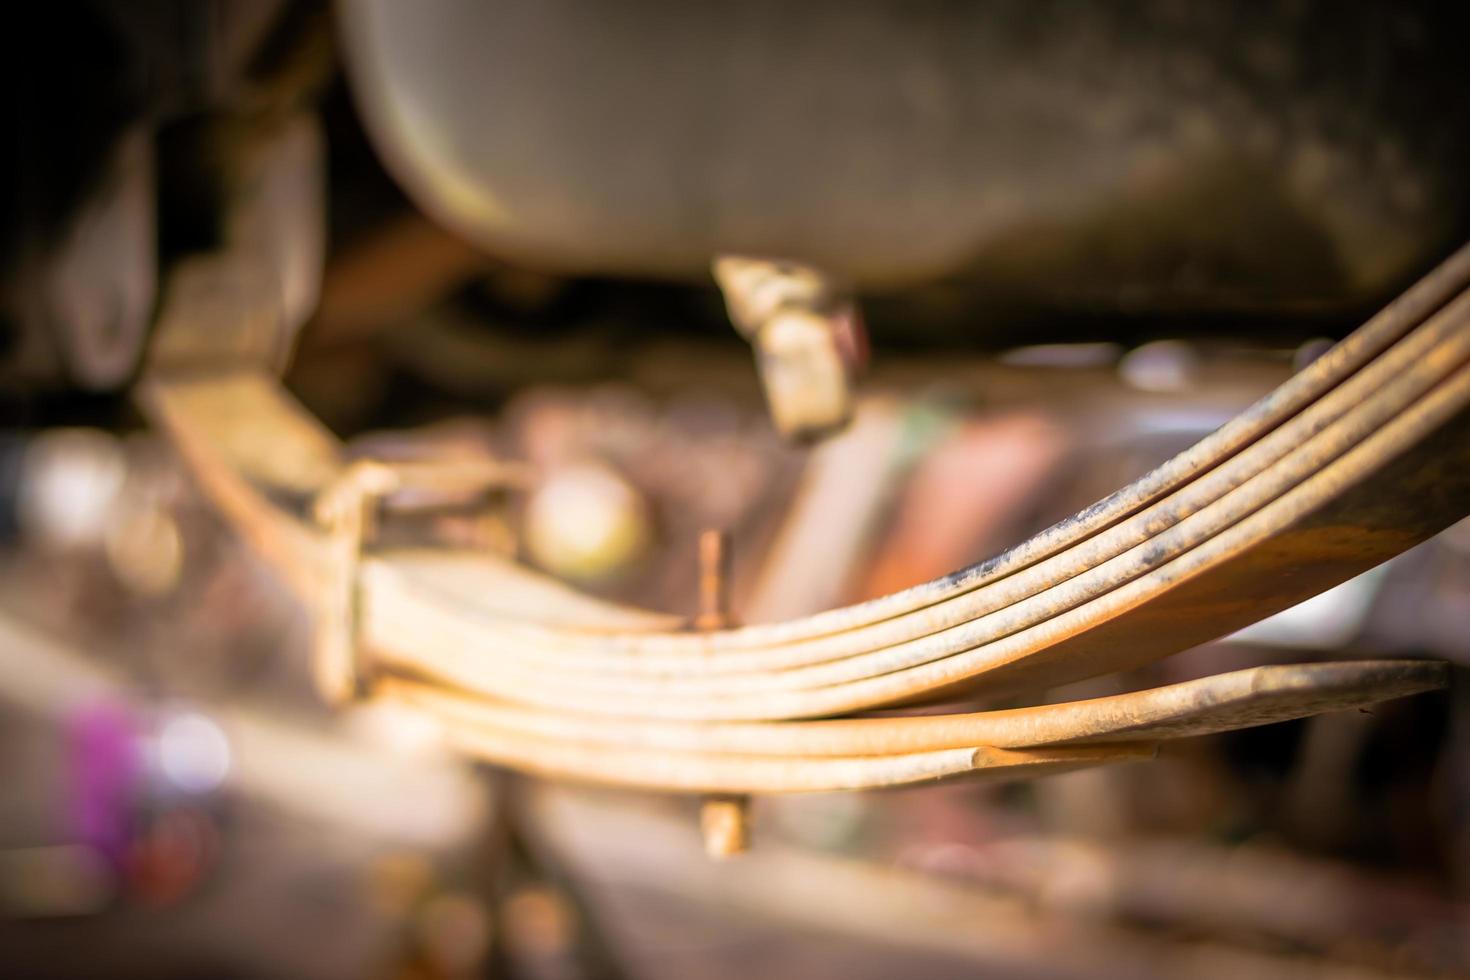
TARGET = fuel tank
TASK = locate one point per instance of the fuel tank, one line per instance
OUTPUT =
(1160, 155)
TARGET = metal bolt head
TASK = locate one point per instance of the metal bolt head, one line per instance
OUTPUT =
(806, 380)
(725, 821)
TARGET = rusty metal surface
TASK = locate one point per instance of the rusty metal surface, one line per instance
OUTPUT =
(187, 406)
(725, 772)
(1302, 390)
(1310, 478)
(1238, 699)
(1352, 461)
(1156, 534)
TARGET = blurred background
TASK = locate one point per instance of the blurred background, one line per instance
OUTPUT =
(1057, 243)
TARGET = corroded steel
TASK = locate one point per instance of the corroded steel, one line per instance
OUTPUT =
(1353, 460)
(1238, 699)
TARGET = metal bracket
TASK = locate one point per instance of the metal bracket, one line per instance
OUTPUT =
(349, 510)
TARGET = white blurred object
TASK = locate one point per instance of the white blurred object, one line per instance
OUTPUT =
(1162, 366)
(586, 522)
(1324, 622)
(193, 753)
(71, 480)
